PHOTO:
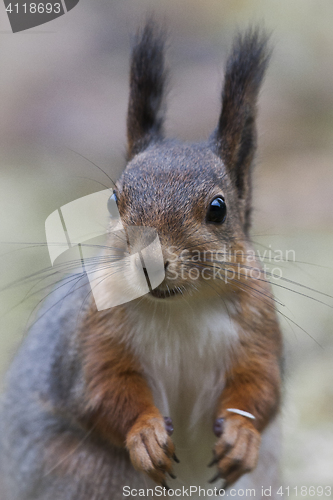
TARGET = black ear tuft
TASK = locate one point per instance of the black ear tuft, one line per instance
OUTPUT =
(235, 138)
(147, 86)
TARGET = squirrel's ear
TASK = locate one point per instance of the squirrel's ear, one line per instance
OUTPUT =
(147, 84)
(235, 137)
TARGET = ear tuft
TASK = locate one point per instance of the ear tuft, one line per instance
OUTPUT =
(147, 85)
(235, 138)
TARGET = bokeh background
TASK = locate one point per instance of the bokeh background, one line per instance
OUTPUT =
(63, 88)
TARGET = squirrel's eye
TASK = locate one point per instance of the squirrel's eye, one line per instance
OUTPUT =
(112, 206)
(217, 211)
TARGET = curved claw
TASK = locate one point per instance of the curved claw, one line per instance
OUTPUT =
(165, 486)
(214, 461)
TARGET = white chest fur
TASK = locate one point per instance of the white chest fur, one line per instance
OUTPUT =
(184, 348)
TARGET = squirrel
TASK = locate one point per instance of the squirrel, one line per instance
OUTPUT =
(113, 403)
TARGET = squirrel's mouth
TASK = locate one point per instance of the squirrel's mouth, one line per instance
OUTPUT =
(164, 294)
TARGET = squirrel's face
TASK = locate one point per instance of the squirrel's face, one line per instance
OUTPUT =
(183, 192)
(196, 197)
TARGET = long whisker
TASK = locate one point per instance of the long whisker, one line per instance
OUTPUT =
(94, 164)
(94, 180)
(78, 278)
(61, 266)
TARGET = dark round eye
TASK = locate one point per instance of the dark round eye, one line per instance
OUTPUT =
(112, 206)
(217, 211)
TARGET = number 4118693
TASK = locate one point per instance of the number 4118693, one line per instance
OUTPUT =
(35, 8)
(305, 491)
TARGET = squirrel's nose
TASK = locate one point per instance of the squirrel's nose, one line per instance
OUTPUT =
(166, 265)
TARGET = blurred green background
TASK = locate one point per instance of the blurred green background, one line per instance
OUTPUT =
(63, 87)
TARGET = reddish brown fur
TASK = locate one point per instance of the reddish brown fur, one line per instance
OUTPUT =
(119, 405)
(117, 392)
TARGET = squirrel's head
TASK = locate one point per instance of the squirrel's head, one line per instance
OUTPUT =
(197, 197)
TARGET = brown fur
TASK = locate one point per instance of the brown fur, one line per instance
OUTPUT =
(215, 344)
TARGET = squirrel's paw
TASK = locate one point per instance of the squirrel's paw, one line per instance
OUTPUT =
(237, 449)
(151, 449)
